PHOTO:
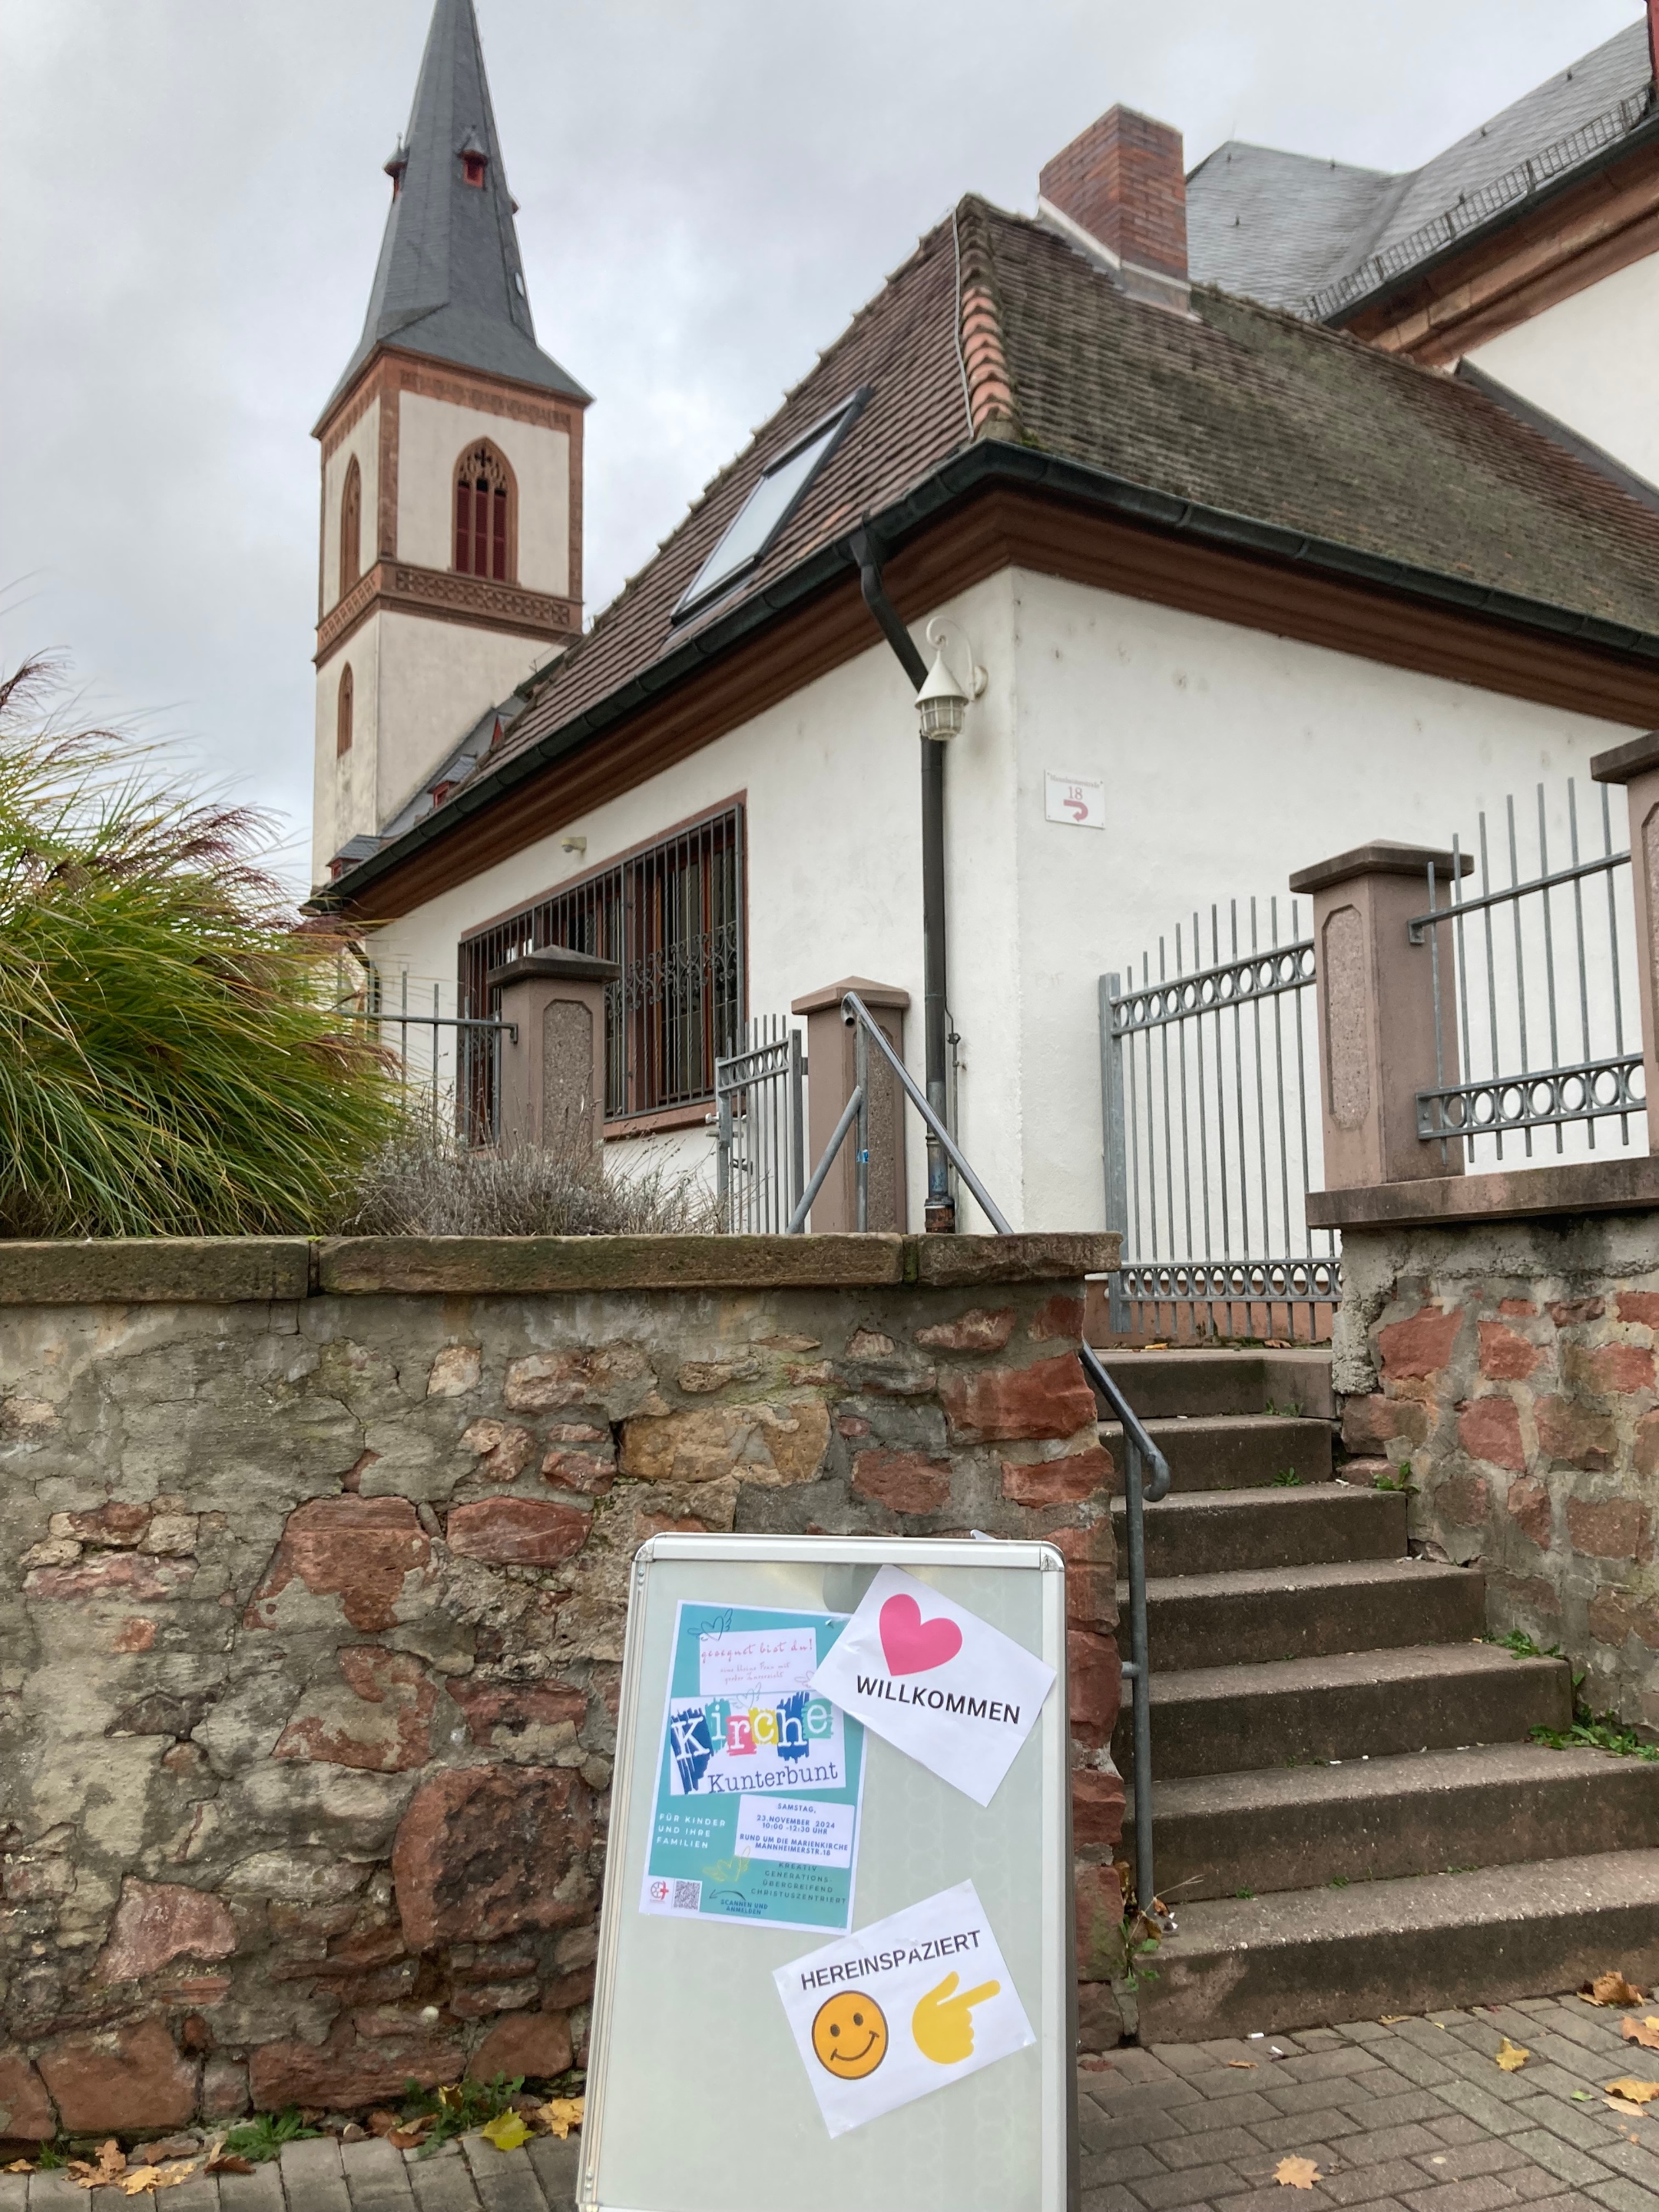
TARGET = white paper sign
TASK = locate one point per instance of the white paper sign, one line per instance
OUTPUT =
(1070, 799)
(767, 1662)
(883, 2016)
(937, 1682)
(796, 1829)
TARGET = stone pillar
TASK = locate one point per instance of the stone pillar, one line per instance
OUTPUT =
(829, 1085)
(551, 1086)
(1636, 765)
(1376, 996)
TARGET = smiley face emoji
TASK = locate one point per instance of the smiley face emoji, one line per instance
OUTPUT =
(849, 2035)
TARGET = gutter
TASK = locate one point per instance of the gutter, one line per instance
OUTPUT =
(969, 469)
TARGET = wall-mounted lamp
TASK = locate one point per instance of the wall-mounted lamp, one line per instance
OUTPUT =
(576, 845)
(942, 701)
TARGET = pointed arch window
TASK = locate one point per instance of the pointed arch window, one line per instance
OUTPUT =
(484, 514)
(343, 715)
(351, 526)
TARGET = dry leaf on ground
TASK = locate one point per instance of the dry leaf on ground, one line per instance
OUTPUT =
(382, 2123)
(561, 2114)
(1245, 2065)
(1511, 2057)
(1394, 2018)
(1623, 2105)
(1635, 2092)
(143, 2180)
(1644, 2032)
(506, 2131)
(1611, 1989)
(1296, 2173)
(112, 2165)
(18, 2165)
(227, 2162)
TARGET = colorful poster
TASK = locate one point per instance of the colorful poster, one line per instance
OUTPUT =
(759, 1778)
(883, 2017)
(939, 1683)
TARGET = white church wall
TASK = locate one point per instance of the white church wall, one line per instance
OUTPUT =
(1590, 361)
(361, 443)
(343, 805)
(1231, 759)
(436, 679)
(432, 436)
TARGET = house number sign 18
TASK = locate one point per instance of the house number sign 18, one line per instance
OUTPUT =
(1071, 798)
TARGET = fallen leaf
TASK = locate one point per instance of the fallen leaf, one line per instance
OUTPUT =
(1296, 2173)
(1511, 2057)
(1248, 2065)
(1623, 2105)
(506, 2131)
(19, 2165)
(407, 2138)
(451, 2096)
(1611, 1989)
(382, 2123)
(145, 2180)
(227, 2162)
(1394, 2018)
(1644, 2032)
(561, 2114)
(1637, 2092)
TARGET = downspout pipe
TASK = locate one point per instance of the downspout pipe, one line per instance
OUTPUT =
(939, 1218)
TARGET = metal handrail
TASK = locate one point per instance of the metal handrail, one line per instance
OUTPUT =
(1141, 1454)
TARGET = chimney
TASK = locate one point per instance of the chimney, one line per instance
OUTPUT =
(1118, 191)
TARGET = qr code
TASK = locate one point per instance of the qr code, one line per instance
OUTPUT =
(688, 1897)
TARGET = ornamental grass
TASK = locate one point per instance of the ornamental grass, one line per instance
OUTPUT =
(169, 1062)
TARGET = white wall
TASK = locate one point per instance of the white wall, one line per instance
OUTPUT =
(436, 678)
(361, 443)
(342, 803)
(432, 436)
(1593, 362)
(1231, 759)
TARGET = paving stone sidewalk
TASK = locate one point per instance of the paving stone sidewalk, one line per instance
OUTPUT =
(1406, 2116)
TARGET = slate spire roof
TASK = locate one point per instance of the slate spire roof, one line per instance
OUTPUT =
(450, 283)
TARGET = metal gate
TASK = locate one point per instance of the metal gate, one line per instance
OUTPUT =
(1207, 1066)
(760, 1129)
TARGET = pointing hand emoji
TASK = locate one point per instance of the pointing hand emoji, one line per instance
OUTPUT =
(943, 2025)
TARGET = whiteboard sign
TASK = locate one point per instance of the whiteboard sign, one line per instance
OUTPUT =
(1071, 798)
(828, 1980)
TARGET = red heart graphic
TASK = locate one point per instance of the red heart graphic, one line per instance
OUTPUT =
(912, 1646)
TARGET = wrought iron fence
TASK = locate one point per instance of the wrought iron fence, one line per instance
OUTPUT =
(1210, 1144)
(760, 1129)
(672, 916)
(433, 1049)
(1539, 974)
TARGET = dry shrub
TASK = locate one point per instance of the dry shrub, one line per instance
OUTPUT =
(425, 1184)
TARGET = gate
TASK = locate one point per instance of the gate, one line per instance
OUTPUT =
(760, 1129)
(1210, 1148)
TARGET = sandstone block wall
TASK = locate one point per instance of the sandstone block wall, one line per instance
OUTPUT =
(1510, 1368)
(312, 1573)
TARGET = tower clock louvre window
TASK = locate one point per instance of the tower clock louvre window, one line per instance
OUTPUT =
(480, 517)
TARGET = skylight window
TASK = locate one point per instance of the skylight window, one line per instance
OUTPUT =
(768, 506)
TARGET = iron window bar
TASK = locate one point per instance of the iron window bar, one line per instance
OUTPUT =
(1146, 1473)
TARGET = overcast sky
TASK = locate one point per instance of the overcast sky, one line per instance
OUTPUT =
(192, 202)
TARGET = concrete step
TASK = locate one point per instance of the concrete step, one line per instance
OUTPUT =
(1212, 1531)
(1351, 1606)
(1309, 1958)
(1370, 1820)
(1225, 1720)
(1232, 1451)
(1160, 1383)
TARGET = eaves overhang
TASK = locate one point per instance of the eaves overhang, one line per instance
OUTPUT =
(971, 471)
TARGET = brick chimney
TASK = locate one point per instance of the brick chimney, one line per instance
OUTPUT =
(1121, 186)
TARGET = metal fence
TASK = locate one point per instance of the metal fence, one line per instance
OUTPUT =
(440, 1052)
(760, 1129)
(1539, 974)
(1211, 1143)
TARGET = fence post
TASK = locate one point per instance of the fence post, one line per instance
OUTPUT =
(1116, 1154)
(831, 1047)
(1376, 1014)
(1636, 765)
(551, 1090)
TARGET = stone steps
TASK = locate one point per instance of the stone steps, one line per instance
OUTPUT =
(1309, 1958)
(1349, 1814)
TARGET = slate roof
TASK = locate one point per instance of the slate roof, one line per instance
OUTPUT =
(450, 283)
(1318, 236)
(1283, 435)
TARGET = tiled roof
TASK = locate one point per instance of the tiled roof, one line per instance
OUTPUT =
(1245, 413)
(1318, 236)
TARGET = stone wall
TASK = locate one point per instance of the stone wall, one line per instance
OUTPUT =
(312, 1573)
(1510, 1367)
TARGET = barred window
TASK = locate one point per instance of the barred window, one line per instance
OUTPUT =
(671, 915)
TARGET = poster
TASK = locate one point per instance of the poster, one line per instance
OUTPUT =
(759, 1777)
(902, 2008)
(939, 1683)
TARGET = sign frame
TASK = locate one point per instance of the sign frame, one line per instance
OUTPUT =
(1053, 2011)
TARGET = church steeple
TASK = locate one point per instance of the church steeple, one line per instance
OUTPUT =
(451, 543)
(450, 283)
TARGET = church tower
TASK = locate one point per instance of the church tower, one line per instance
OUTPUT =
(451, 553)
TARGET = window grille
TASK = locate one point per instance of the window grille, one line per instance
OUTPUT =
(672, 916)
